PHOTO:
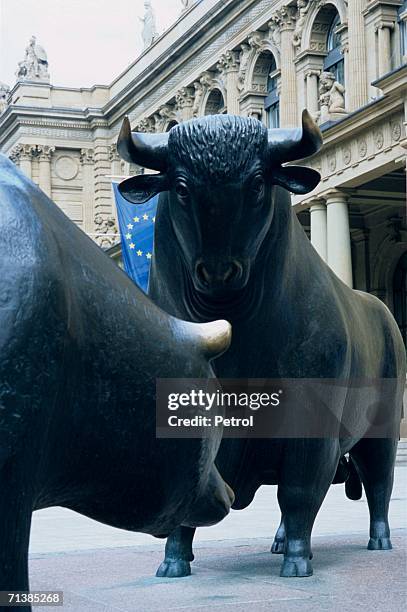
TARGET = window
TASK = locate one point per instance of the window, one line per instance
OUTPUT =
(402, 21)
(272, 102)
(334, 60)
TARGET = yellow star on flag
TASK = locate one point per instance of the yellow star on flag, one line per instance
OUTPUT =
(129, 226)
(149, 256)
(153, 219)
(136, 219)
(128, 236)
(132, 246)
(139, 253)
(145, 216)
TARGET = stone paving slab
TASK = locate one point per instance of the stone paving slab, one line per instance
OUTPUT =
(233, 575)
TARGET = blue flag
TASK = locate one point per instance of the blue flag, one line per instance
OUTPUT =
(136, 225)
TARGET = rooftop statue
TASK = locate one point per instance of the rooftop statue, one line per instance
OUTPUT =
(34, 66)
(149, 32)
(4, 91)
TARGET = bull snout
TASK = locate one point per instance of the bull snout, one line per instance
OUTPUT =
(213, 504)
(218, 275)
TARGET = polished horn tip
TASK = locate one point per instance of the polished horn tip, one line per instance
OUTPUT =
(124, 139)
(125, 130)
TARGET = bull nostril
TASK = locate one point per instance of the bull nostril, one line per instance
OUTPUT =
(203, 274)
(233, 272)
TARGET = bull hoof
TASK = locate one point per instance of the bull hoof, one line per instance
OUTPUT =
(296, 568)
(379, 544)
(278, 547)
(174, 569)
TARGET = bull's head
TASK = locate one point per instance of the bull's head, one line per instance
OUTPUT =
(220, 173)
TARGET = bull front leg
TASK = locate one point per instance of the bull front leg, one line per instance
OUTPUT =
(307, 472)
(178, 554)
(278, 545)
(15, 523)
(209, 508)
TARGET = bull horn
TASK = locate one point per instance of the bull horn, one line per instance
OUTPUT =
(147, 150)
(214, 338)
(287, 145)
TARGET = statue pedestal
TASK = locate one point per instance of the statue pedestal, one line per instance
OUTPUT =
(328, 116)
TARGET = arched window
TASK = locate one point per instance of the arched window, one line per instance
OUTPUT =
(400, 296)
(215, 103)
(334, 60)
(272, 102)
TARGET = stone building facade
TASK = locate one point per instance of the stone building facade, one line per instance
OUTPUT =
(344, 60)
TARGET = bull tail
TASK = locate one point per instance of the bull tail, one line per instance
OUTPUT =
(353, 484)
(215, 337)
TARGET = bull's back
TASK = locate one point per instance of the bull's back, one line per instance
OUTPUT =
(376, 342)
(31, 329)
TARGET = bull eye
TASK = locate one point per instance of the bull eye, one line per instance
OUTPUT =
(257, 188)
(182, 191)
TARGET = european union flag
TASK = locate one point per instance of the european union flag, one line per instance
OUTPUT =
(136, 225)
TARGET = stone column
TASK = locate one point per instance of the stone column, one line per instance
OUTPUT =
(345, 51)
(357, 69)
(88, 193)
(44, 179)
(318, 219)
(102, 170)
(383, 29)
(25, 155)
(338, 235)
(229, 65)
(312, 92)
(360, 241)
(185, 101)
(285, 18)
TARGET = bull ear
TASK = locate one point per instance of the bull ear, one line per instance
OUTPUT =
(296, 179)
(140, 189)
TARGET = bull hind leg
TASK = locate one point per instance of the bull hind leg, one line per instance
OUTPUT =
(375, 459)
(178, 554)
(278, 546)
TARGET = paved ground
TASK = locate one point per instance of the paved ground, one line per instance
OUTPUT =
(105, 569)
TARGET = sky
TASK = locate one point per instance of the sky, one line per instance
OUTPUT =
(88, 42)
